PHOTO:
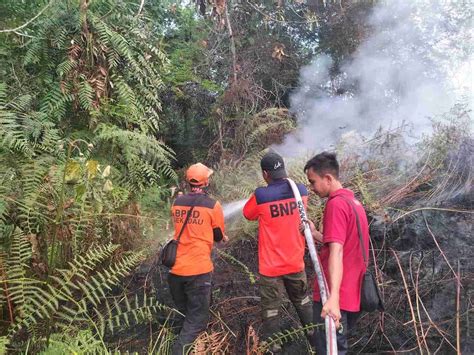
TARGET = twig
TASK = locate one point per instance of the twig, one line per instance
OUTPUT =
(224, 323)
(439, 248)
(409, 300)
(434, 209)
(232, 43)
(256, 298)
(440, 331)
(280, 21)
(404, 188)
(140, 8)
(458, 306)
(28, 22)
(24, 34)
(367, 342)
(418, 300)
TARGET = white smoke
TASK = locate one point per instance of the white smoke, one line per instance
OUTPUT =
(415, 65)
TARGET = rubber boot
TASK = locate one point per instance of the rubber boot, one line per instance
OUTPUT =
(270, 327)
(305, 314)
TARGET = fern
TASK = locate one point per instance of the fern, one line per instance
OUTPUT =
(233, 260)
(85, 95)
(144, 157)
(81, 342)
(66, 299)
(287, 335)
(64, 68)
(3, 95)
(16, 289)
(124, 313)
(3, 345)
(34, 53)
(93, 77)
(55, 102)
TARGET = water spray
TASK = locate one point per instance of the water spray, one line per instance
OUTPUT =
(231, 208)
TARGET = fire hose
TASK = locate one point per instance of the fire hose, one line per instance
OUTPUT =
(331, 340)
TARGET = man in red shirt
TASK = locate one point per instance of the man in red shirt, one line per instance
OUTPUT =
(341, 253)
(280, 245)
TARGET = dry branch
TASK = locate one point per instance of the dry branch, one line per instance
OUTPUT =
(439, 248)
(409, 301)
(27, 22)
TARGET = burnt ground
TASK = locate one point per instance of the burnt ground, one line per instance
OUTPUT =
(406, 248)
(234, 308)
(421, 252)
(235, 303)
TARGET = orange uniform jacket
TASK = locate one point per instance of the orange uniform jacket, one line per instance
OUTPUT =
(205, 225)
(280, 243)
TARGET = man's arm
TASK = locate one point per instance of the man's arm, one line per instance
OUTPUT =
(317, 235)
(218, 226)
(331, 307)
(250, 210)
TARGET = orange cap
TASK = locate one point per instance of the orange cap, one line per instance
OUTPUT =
(198, 174)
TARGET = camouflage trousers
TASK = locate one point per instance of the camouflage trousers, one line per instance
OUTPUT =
(272, 294)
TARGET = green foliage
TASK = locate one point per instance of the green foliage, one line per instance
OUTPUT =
(65, 299)
(94, 66)
(3, 345)
(287, 335)
(81, 342)
(191, 88)
(92, 101)
(186, 45)
(124, 313)
(79, 139)
(237, 262)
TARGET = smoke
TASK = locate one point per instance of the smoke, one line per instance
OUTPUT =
(415, 65)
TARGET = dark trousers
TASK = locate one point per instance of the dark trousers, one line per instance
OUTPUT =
(348, 320)
(192, 297)
(272, 291)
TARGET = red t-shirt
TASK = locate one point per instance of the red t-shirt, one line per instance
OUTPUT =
(340, 226)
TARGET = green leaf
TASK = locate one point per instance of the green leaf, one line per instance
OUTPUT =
(80, 191)
(92, 167)
(73, 171)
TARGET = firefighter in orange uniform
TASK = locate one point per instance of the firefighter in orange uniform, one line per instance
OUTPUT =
(280, 246)
(190, 278)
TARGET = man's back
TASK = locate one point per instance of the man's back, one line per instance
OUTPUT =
(194, 250)
(280, 244)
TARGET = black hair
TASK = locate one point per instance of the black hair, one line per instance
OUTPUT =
(324, 163)
(199, 188)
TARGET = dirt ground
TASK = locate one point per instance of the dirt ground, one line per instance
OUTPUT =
(235, 317)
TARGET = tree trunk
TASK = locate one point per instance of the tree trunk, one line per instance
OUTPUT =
(232, 43)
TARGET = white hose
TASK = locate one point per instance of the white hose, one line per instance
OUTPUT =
(331, 340)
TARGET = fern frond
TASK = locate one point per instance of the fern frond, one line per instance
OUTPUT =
(66, 67)
(86, 95)
(126, 313)
(237, 262)
(16, 266)
(3, 95)
(287, 335)
(73, 290)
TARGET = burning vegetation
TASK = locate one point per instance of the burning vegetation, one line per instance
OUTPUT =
(419, 201)
(104, 103)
